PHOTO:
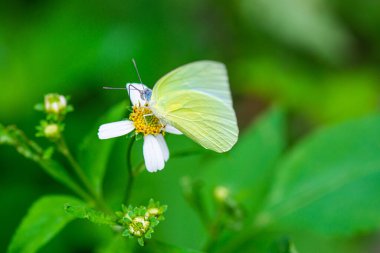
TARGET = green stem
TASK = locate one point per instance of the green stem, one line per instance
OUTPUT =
(69, 183)
(138, 169)
(63, 148)
(131, 174)
(238, 241)
(214, 229)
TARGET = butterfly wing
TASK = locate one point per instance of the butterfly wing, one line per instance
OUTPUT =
(196, 99)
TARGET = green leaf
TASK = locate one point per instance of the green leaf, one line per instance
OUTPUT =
(94, 153)
(329, 183)
(247, 170)
(44, 220)
(84, 212)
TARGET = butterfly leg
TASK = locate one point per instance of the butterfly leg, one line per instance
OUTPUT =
(147, 115)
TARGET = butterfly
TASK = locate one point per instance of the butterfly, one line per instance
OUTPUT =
(196, 99)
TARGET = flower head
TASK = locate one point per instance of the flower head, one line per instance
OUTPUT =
(139, 222)
(143, 122)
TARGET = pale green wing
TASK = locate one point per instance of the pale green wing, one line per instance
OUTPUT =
(208, 77)
(205, 119)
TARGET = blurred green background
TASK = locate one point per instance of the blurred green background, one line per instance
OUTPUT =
(317, 59)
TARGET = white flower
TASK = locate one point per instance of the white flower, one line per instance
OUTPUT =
(143, 121)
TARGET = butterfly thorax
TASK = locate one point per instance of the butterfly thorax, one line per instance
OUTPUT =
(145, 121)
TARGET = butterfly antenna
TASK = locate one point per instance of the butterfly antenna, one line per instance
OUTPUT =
(137, 71)
(113, 88)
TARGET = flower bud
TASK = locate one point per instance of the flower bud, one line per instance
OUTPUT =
(52, 131)
(221, 193)
(154, 211)
(55, 103)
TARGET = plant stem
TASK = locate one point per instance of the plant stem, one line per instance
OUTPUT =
(69, 183)
(131, 175)
(214, 229)
(237, 242)
(62, 147)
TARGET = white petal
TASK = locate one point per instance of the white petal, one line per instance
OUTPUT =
(172, 130)
(115, 129)
(154, 159)
(135, 91)
(164, 147)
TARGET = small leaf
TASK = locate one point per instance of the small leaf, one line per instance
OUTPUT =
(84, 212)
(140, 241)
(328, 183)
(44, 220)
(94, 153)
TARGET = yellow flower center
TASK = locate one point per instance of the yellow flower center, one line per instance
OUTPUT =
(145, 122)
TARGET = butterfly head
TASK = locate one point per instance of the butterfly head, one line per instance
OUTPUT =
(139, 93)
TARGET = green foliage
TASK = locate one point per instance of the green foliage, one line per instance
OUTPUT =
(308, 24)
(326, 183)
(13, 136)
(247, 171)
(316, 59)
(338, 95)
(94, 153)
(44, 220)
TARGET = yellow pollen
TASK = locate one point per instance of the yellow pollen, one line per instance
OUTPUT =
(145, 122)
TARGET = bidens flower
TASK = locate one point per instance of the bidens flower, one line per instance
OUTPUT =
(142, 121)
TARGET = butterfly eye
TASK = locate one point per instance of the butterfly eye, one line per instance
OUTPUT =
(148, 94)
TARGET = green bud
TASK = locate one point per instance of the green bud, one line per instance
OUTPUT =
(221, 193)
(52, 131)
(155, 210)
